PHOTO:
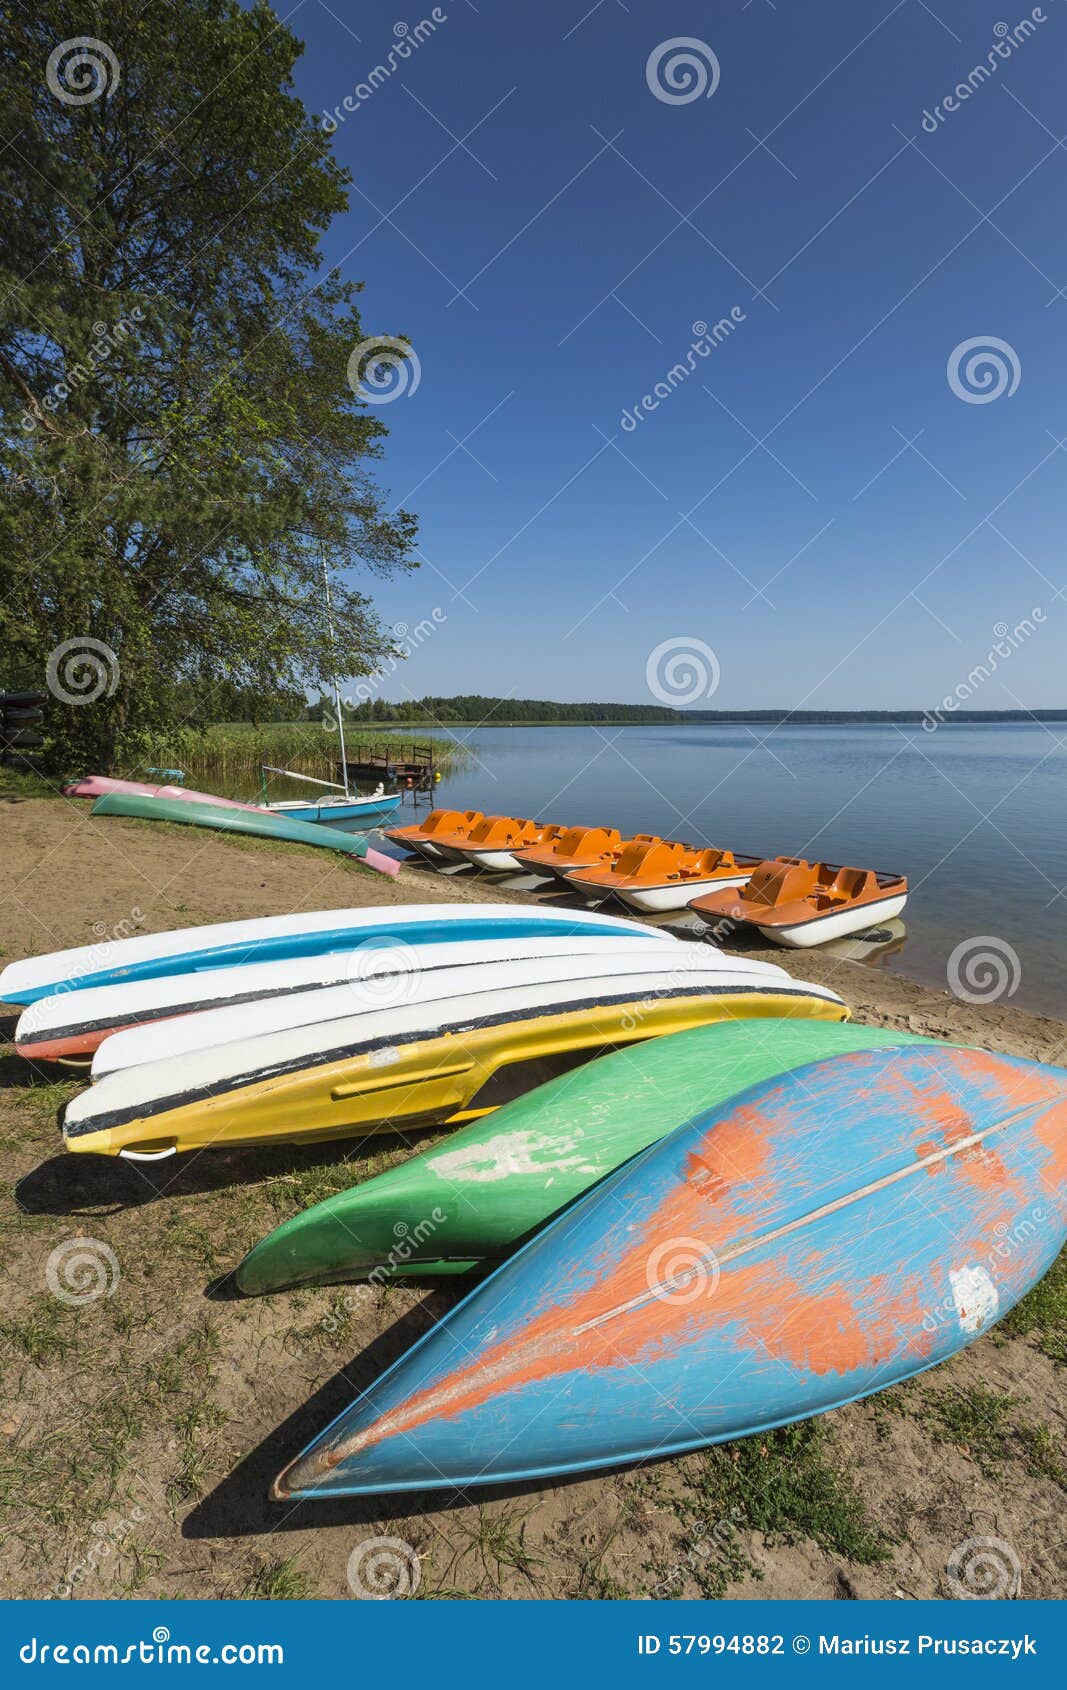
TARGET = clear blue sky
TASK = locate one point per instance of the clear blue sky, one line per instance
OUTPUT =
(549, 268)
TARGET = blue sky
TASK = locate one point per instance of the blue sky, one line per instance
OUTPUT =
(814, 503)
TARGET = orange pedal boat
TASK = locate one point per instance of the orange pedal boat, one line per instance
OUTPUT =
(422, 836)
(492, 843)
(575, 847)
(663, 875)
(799, 904)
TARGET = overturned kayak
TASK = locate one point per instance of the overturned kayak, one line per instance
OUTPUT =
(149, 956)
(441, 1061)
(261, 824)
(408, 978)
(818, 1238)
(70, 1026)
(469, 1202)
(799, 904)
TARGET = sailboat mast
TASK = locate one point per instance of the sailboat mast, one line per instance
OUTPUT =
(333, 659)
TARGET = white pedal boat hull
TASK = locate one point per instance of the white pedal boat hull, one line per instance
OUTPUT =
(821, 928)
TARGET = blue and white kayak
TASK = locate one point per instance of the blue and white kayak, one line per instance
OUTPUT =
(818, 1238)
(149, 956)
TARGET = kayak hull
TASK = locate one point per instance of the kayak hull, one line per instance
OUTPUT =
(470, 1201)
(151, 956)
(71, 1026)
(405, 1072)
(820, 1237)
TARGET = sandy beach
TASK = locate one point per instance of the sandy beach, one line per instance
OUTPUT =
(142, 1429)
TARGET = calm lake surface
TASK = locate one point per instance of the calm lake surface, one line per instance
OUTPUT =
(974, 814)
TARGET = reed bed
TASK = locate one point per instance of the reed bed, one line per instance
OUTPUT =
(235, 750)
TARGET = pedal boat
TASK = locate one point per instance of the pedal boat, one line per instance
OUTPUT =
(576, 848)
(800, 904)
(494, 842)
(421, 837)
(664, 875)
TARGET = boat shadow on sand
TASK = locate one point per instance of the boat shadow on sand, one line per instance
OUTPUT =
(240, 1505)
(66, 1184)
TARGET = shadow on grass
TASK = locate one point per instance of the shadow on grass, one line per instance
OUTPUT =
(73, 1184)
(240, 1505)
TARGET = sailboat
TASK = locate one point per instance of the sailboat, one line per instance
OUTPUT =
(347, 805)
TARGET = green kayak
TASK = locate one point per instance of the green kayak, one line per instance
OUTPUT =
(472, 1199)
(225, 820)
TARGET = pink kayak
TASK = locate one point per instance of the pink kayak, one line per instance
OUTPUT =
(98, 786)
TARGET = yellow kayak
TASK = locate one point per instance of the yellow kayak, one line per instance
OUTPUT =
(449, 1061)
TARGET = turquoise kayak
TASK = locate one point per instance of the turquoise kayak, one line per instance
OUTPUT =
(263, 825)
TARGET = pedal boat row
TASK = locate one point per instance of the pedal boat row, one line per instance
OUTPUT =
(789, 900)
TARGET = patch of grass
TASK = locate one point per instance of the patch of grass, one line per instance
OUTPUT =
(1042, 1314)
(44, 1333)
(785, 1485)
(1044, 1454)
(275, 1581)
(43, 1100)
(498, 1540)
(978, 1422)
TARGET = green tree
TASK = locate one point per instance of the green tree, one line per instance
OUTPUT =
(177, 427)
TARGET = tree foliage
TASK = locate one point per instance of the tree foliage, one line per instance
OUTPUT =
(177, 431)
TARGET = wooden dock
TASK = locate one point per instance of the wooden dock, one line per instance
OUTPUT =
(410, 767)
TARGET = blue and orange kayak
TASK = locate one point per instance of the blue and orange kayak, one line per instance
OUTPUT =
(819, 1237)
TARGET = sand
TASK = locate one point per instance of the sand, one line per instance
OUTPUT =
(143, 1427)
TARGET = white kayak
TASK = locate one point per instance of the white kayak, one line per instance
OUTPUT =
(304, 933)
(417, 1060)
(661, 964)
(70, 1026)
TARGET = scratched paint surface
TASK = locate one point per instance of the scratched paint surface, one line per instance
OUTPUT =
(497, 1180)
(842, 1227)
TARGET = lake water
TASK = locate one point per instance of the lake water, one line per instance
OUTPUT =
(975, 815)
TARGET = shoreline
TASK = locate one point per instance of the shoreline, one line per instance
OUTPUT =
(190, 1398)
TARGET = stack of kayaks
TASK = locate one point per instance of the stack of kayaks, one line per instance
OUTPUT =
(319, 1026)
(798, 904)
(823, 1223)
(21, 716)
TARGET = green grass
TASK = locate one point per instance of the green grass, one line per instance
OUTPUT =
(785, 1485)
(1042, 1314)
(275, 1581)
(979, 1422)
